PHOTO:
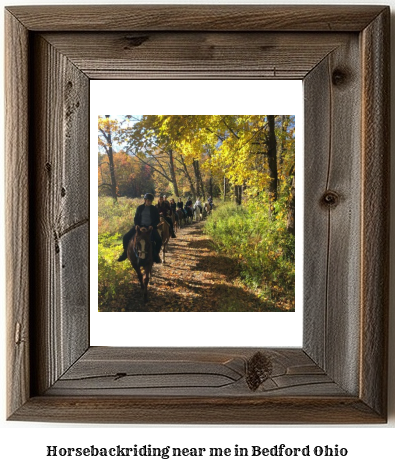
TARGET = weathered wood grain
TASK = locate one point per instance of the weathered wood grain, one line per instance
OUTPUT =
(332, 226)
(60, 190)
(344, 250)
(198, 410)
(196, 17)
(17, 192)
(339, 376)
(317, 149)
(196, 55)
(375, 211)
(191, 372)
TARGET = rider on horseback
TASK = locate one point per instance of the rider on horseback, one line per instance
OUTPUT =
(173, 206)
(198, 203)
(147, 216)
(188, 207)
(165, 209)
(180, 204)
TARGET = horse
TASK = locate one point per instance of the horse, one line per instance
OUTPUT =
(139, 253)
(197, 213)
(164, 232)
(181, 217)
(207, 208)
(173, 217)
(175, 222)
(188, 214)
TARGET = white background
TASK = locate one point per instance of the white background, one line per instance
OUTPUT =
(23, 445)
(115, 97)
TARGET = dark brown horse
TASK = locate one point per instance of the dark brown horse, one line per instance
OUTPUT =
(140, 255)
(189, 214)
(181, 217)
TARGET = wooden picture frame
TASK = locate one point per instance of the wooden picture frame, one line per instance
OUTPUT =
(340, 373)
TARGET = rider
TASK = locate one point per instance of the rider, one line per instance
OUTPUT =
(173, 206)
(147, 216)
(164, 209)
(210, 201)
(198, 203)
(180, 204)
(188, 204)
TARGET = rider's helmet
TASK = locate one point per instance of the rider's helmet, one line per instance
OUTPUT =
(149, 196)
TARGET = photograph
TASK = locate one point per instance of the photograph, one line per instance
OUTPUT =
(196, 213)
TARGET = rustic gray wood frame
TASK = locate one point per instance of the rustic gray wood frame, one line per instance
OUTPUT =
(340, 374)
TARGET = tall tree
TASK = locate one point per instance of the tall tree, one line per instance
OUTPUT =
(106, 129)
(252, 153)
(173, 173)
(147, 142)
(198, 179)
(272, 158)
(187, 175)
(291, 209)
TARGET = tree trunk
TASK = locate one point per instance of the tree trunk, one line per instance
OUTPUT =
(291, 209)
(282, 142)
(186, 172)
(202, 185)
(238, 194)
(198, 178)
(112, 174)
(173, 173)
(111, 163)
(225, 188)
(272, 159)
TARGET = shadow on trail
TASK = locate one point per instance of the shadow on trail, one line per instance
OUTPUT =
(194, 279)
(214, 263)
(177, 294)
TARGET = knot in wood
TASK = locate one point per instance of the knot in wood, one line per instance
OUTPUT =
(135, 41)
(259, 369)
(330, 199)
(339, 77)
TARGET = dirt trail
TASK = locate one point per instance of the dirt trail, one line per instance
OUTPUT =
(194, 279)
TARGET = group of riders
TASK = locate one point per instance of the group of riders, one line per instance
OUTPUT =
(148, 215)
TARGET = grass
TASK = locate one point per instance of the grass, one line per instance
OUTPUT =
(261, 244)
(265, 251)
(114, 277)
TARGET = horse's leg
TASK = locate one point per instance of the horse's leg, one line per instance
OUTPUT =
(145, 286)
(164, 251)
(139, 275)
